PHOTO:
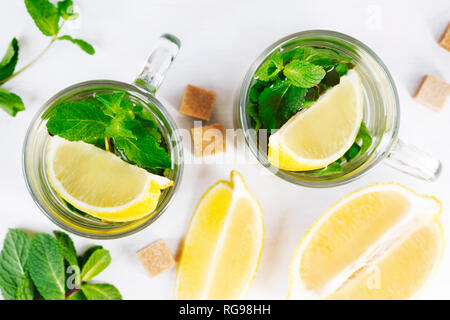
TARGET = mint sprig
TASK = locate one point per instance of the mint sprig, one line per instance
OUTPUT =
(49, 19)
(38, 268)
(107, 116)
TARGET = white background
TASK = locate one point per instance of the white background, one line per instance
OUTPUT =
(220, 40)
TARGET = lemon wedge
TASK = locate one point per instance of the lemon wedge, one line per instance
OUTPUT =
(380, 242)
(322, 133)
(100, 183)
(223, 246)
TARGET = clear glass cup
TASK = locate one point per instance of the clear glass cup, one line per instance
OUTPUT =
(381, 115)
(142, 92)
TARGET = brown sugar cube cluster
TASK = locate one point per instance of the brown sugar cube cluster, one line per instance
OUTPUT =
(208, 140)
(433, 92)
(198, 102)
(445, 39)
(156, 258)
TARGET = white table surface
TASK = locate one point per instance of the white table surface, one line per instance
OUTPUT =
(220, 40)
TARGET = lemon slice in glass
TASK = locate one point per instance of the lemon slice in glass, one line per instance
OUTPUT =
(322, 133)
(100, 183)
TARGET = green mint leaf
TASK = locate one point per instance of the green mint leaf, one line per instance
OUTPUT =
(120, 128)
(66, 11)
(45, 16)
(291, 103)
(364, 138)
(10, 102)
(352, 152)
(279, 102)
(121, 109)
(77, 121)
(303, 74)
(96, 263)
(311, 96)
(144, 151)
(77, 295)
(256, 90)
(46, 266)
(341, 68)
(333, 55)
(253, 112)
(83, 258)
(305, 54)
(148, 121)
(86, 47)
(319, 56)
(269, 103)
(270, 69)
(101, 292)
(9, 61)
(25, 289)
(66, 247)
(331, 79)
(114, 104)
(13, 259)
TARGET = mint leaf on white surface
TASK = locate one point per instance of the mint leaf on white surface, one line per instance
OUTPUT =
(85, 256)
(13, 259)
(9, 61)
(66, 10)
(45, 15)
(10, 102)
(25, 289)
(96, 263)
(101, 292)
(46, 266)
(86, 47)
(66, 247)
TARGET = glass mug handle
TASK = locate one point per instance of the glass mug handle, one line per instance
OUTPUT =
(413, 161)
(159, 61)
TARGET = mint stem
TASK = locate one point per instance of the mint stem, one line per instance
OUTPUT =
(54, 38)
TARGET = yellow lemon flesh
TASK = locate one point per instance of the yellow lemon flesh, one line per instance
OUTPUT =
(322, 133)
(380, 242)
(100, 183)
(222, 248)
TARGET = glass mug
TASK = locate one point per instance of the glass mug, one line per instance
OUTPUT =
(142, 92)
(381, 115)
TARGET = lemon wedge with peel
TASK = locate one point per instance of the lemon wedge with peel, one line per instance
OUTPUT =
(223, 246)
(380, 242)
(322, 133)
(100, 183)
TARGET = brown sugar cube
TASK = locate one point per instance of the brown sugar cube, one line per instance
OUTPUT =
(208, 140)
(156, 258)
(198, 102)
(433, 92)
(445, 39)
